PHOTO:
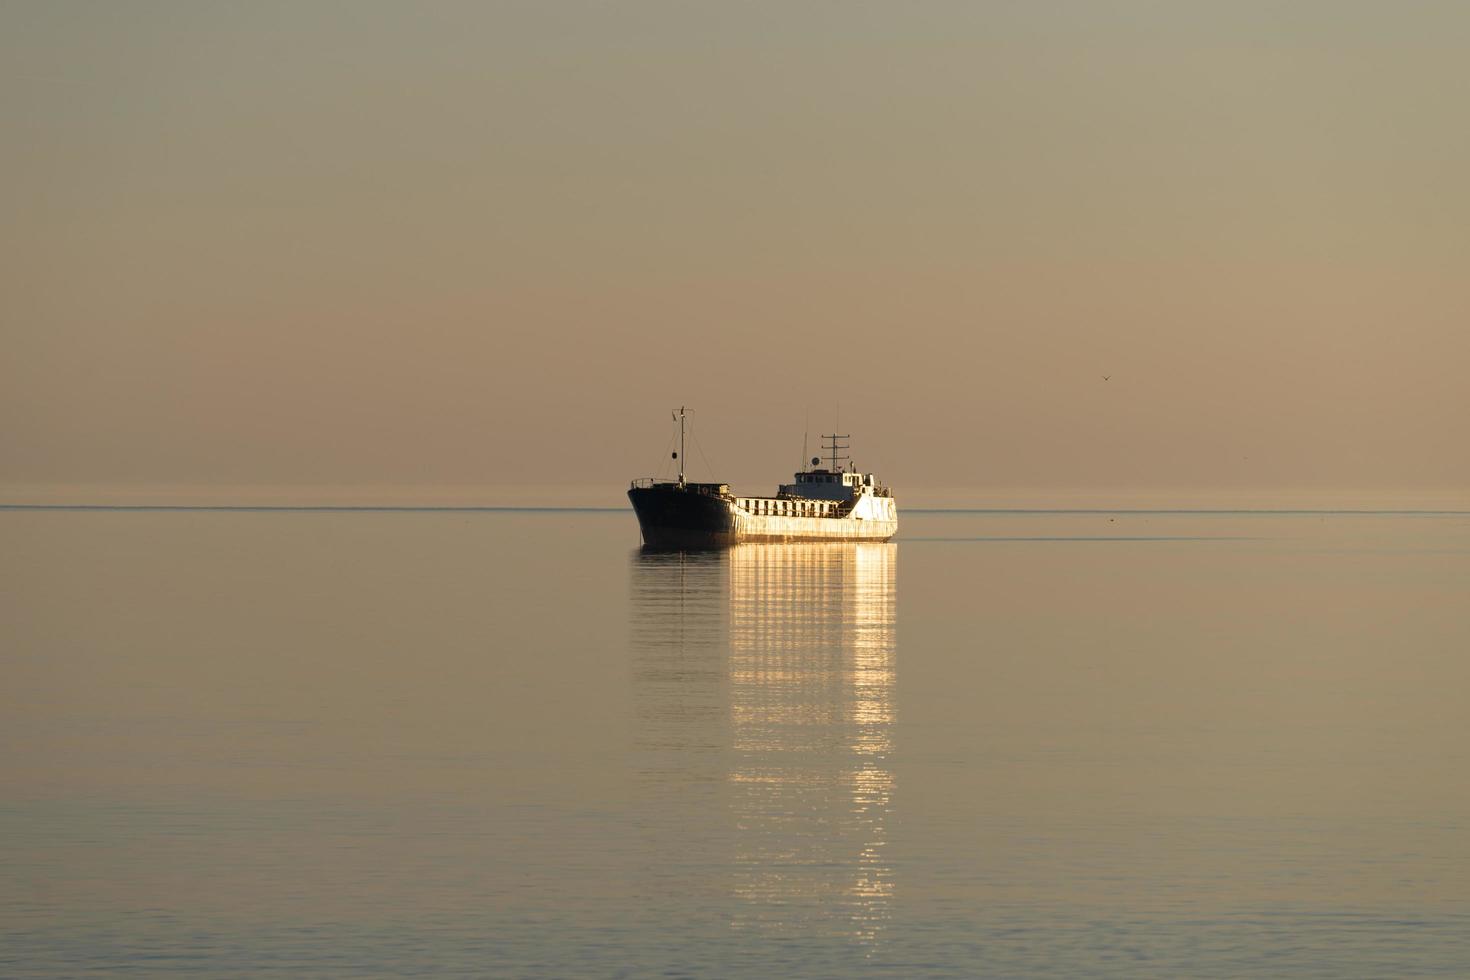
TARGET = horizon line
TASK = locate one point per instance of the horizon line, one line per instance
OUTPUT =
(486, 508)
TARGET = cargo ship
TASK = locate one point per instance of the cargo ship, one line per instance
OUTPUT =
(831, 502)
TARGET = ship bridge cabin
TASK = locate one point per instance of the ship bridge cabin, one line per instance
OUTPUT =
(820, 484)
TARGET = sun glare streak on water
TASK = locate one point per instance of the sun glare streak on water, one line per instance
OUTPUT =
(771, 668)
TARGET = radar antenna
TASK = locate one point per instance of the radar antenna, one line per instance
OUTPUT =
(806, 428)
(832, 445)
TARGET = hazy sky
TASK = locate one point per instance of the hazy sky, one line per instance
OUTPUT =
(495, 242)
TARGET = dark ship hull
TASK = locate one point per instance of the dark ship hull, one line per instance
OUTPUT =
(688, 517)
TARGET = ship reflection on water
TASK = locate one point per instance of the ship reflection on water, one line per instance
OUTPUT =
(764, 685)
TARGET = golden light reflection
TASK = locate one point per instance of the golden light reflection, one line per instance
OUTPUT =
(764, 682)
(812, 679)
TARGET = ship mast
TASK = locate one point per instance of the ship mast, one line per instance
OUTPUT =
(681, 446)
(833, 445)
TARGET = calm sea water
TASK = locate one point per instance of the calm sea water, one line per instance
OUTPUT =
(267, 743)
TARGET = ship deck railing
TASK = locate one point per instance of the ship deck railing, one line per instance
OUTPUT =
(707, 489)
(791, 506)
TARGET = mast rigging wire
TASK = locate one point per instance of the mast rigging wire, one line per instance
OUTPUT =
(700, 449)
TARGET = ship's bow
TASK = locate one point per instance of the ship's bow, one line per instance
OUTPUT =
(691, 516)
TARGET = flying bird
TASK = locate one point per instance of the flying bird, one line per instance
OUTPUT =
(1106, 376)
